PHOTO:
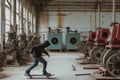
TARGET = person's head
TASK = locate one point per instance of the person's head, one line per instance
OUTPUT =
(46, 43)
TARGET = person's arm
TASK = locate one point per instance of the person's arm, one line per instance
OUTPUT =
(32, 49)
(46, 52)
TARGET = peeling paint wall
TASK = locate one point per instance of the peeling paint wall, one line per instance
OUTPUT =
(43, 20)
(43, 24)
(60, 19)
(75, 20)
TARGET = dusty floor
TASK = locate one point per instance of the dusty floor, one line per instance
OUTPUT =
(59, 64)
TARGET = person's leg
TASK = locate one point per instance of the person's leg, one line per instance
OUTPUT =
(33, 65)
(44, 62)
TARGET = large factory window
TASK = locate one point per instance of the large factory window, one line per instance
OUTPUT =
(24, 18)
(17, 16)
(7, 17)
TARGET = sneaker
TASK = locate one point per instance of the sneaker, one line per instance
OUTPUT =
(46, 74)
(27, 73)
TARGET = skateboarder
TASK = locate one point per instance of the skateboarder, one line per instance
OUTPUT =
(37, 51)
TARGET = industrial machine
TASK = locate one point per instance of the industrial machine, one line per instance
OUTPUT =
(89, 44)
(55, 39)
(99, 45)
(111, 58)
(72, 38)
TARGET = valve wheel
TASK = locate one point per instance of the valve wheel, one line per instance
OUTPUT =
(95, 54)
(113, 64)
(107, 54)
(86, 50)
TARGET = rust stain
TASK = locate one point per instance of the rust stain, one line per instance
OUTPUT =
(60, 19)
(44, 19)
(47, 19)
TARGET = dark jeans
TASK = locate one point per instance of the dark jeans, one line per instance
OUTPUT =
(36, 60)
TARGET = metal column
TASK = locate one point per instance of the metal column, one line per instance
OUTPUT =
(13, 15)
(2, 23)
(114, 20)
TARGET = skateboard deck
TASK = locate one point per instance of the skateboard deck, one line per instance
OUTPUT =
(31, 76)
(41, 75)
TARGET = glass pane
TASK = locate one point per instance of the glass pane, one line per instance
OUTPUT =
(17, 19)
(7, 13)
(7, 22)
(6, 3)
(17, 6)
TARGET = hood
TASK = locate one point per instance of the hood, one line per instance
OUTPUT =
(45, 44)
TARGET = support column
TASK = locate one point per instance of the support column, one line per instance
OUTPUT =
(36, 20)
(90, 22)
(27, 19)
(31, 19)
(13, 15)
(95, 21)
(2, 23)
(21, 16)
(32, 12)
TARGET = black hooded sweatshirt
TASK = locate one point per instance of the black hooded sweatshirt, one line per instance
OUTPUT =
(37, 50)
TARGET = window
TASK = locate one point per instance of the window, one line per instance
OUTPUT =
(7, 16)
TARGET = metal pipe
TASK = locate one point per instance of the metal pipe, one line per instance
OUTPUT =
(114, 11)
(95, 21)
(90, 23)
(99, 15)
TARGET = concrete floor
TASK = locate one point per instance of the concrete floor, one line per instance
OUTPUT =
(59, 64)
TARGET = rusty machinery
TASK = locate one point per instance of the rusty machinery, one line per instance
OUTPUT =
(2, 60)
(80, 45)
(25, 46)
(89, 44)
(111, 58)
(72, 38)
(36, 38)
(17, 48)
(28, 47)
(11, 48)
(86, 45)
(99, 45)
(32, 39)
(21, 53)
(55, 39)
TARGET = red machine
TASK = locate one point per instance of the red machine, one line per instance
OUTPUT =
(100, 42)
(91, 37)
(101, 36)
(112, 56)
(114, 38)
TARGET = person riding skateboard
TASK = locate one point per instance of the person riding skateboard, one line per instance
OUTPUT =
(37, 51)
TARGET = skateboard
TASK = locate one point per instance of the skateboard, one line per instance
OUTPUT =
(31, 75)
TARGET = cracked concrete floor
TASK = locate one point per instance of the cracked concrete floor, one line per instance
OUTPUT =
(59, 64)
